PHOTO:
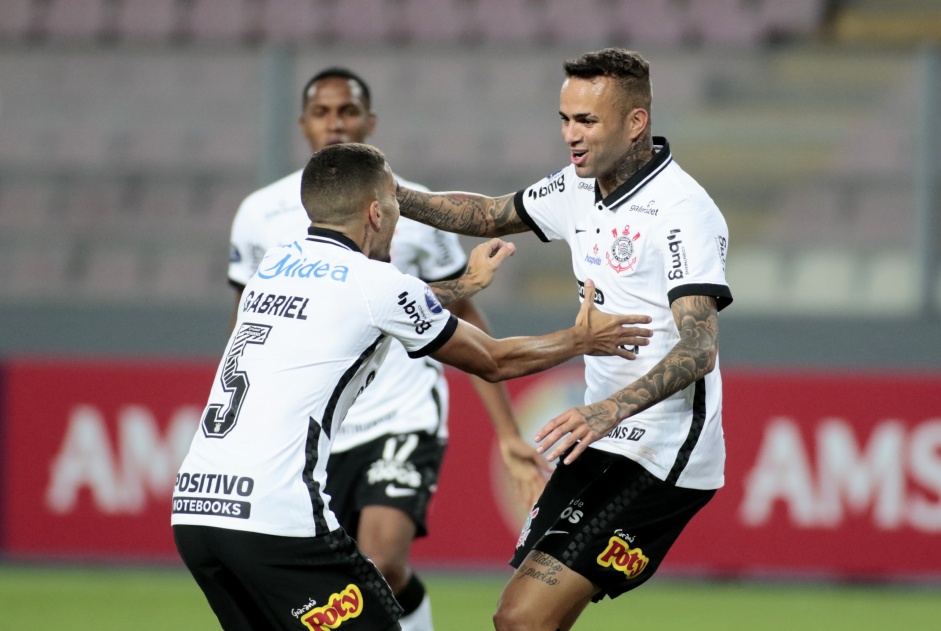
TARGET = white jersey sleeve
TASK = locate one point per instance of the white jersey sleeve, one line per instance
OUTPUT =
(694, 244)
(545, 207)
(245, 251)
(405, 308)
(426, 252)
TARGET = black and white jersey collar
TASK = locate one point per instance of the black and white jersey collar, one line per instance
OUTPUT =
(661, 159)
(325, 235)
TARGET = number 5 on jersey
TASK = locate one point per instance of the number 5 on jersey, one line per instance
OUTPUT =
(217, 422)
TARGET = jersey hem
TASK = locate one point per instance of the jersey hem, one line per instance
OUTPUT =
(446, 333)
(721, 293)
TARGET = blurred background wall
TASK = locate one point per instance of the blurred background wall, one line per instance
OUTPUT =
(130, 130)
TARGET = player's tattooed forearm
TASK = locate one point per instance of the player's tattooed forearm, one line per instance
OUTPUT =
(450, 291)
(544, 568)
(691, 359)
(464, 213)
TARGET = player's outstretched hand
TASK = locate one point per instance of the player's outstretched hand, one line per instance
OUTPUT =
(527, 468)
(485, 259)
(580, 427)
(610, 334)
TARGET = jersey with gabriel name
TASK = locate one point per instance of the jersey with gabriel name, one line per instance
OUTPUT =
(658, 237)
(274, 216)
(314, 324)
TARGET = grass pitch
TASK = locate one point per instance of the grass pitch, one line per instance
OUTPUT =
(34, 598)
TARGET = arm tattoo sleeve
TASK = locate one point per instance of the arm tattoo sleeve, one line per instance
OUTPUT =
(688, 361)
(464, 213)
(450, 291)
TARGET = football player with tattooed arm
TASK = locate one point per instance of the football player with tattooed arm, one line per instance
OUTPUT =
(252, 509)
(388, 452)
(646, 451)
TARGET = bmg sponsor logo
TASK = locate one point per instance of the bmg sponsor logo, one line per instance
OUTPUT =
(414, 312)
(550, 187)
(622, 557)
(339, 608)
(678, 265)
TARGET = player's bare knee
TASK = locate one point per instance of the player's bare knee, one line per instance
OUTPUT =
(395, 572)
(512, 618)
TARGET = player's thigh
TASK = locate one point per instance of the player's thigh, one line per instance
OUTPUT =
(233, 605)
(618, 529)
(403, 475)
(303, 582)
(542, 594)
(385, 535)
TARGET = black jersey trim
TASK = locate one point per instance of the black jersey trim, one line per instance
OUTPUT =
(325, 235)
(236, 285)
(721, 293)
(344, 382)
(453, 276)
(311, 457)
(527, 219)
(695, 431)
(645, 174)
(439, 341)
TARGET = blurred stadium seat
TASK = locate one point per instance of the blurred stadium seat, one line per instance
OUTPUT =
(147, 20)
(157, 144)
(15, 19)
(300, 21)
(76, 19)
(644, 22)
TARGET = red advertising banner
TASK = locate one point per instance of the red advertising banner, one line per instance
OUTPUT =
(827, 474)
(90, 453)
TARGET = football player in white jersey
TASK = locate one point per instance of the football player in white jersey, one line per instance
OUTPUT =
(388, 454)
(252, 514)
(646, 451)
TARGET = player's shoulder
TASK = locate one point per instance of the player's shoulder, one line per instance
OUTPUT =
(283, 192)
(563, 182)
(683, 194)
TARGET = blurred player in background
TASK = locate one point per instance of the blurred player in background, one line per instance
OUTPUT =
(252, 515)
(386, 458)
(646, 451)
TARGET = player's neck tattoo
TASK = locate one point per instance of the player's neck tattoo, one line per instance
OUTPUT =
(639, 154)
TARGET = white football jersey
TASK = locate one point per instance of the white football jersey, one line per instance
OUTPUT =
(313, 326)
(658, 237)
(274, 216)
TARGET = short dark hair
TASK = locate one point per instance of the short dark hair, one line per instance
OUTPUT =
(336, 72)
(628, 68)
(339, 179)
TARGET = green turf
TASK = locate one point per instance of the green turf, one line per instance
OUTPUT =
(111, 599)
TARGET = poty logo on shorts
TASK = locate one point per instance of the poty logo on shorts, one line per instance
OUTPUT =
(339, 608)
(620, 556)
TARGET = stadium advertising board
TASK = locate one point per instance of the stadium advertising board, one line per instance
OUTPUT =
(827, 474)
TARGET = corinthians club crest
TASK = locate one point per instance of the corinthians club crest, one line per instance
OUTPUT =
(621, 256)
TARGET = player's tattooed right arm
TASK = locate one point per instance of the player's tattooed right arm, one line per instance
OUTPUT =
(463, 213)
(484, 261)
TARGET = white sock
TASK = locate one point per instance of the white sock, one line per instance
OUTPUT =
(420, 619)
